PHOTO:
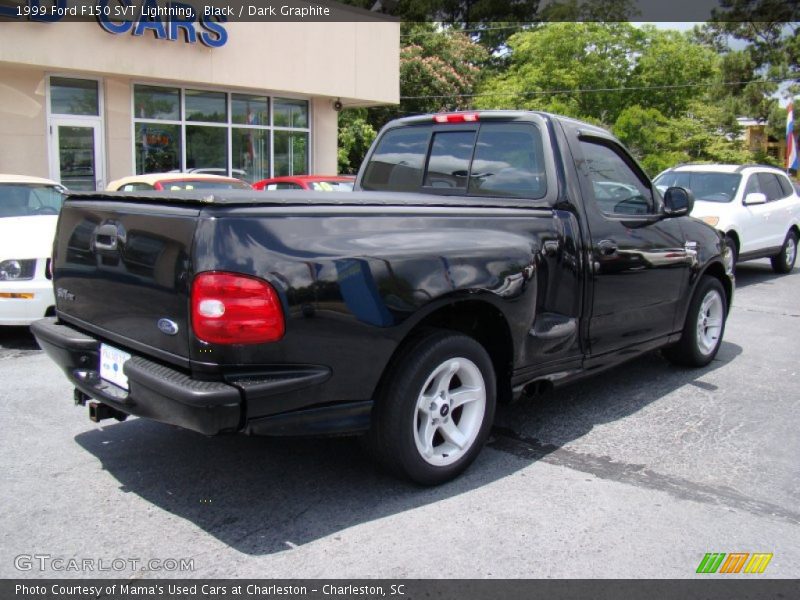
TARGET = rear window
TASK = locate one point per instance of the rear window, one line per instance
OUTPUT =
(451, 152)
(28, 200)
(508, 162)
(397, 162)
(493, 159)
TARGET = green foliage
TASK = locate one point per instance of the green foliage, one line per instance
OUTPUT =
(550, 67)
(663, 93)
(670, 96)
(439, 70)
(355, 137)
(648, 135)
(598, 69)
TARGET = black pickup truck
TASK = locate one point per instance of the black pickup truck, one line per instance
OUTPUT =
(482, 256)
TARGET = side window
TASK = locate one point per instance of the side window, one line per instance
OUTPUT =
(398, 160)
(448, 165)
(509, 161)
(786, 187)
(285, 185)
(752, 186)
(770, 186)
(618, 189)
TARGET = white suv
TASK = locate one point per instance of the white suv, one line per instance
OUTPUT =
(755, 207)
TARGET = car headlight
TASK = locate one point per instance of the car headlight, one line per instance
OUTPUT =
(710, 220)
(17, 270)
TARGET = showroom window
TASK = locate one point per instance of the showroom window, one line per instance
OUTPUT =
(249, 136)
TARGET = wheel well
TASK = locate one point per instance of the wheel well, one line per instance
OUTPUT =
(734, 236)
(479, 320)
(796, 230)
(717, 271)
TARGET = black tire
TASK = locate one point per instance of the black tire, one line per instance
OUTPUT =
(731, 243)
(398, 422)
(699, 344)
(783, 261)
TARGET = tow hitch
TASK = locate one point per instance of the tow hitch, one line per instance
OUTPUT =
(99, 411)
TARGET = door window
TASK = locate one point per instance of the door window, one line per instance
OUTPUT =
(617, 188)
(770, 186)
(752, 186)
(785, 186)
(77, 155)
(78, 97)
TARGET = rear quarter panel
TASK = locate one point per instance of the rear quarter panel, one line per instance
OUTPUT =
(354, 281)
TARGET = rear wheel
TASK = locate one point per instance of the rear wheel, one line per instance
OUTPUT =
(704, 326)
(434, 411)
(783, 261)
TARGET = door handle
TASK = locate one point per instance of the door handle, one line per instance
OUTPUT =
(606, 247)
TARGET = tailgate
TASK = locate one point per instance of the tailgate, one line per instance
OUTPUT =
(122, 271)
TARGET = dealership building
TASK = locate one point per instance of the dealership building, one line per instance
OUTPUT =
(85, 103)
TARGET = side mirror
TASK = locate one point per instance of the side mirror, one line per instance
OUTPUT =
(755, 198)
(678, 202)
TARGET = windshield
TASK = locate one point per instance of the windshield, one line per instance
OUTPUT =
(27, 200)
(706, 186)
(331, 186)
(203, 184)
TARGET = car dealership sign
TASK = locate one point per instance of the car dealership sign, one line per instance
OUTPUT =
(173, 21)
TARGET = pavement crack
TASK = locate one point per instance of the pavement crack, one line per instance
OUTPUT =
(509, 441)
(763, 311)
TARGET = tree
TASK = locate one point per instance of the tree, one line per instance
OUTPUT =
(770, 29)
(355, 137)
(551, 68)
(596, 70)
(663, 93)
(439, 70)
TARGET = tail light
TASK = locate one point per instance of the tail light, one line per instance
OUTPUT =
(459, 117)
(229, 308)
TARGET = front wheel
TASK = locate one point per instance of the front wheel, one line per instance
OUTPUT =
(731, 243)
(783, 261)
(435, 408)
(703, 328)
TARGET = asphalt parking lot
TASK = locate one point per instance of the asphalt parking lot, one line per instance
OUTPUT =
(636, 473)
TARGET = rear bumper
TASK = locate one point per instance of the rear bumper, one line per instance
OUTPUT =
(156, 392)
(163, 394)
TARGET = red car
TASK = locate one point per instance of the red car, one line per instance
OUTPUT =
(319, 183)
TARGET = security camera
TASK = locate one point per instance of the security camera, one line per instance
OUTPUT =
(338, 106)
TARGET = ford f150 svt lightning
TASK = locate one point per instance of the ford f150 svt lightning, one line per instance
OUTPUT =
(481, 256)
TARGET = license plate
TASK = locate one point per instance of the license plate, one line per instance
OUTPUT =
(111, 361)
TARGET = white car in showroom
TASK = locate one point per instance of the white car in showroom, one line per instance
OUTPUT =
(756, 208)
(29, 208)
